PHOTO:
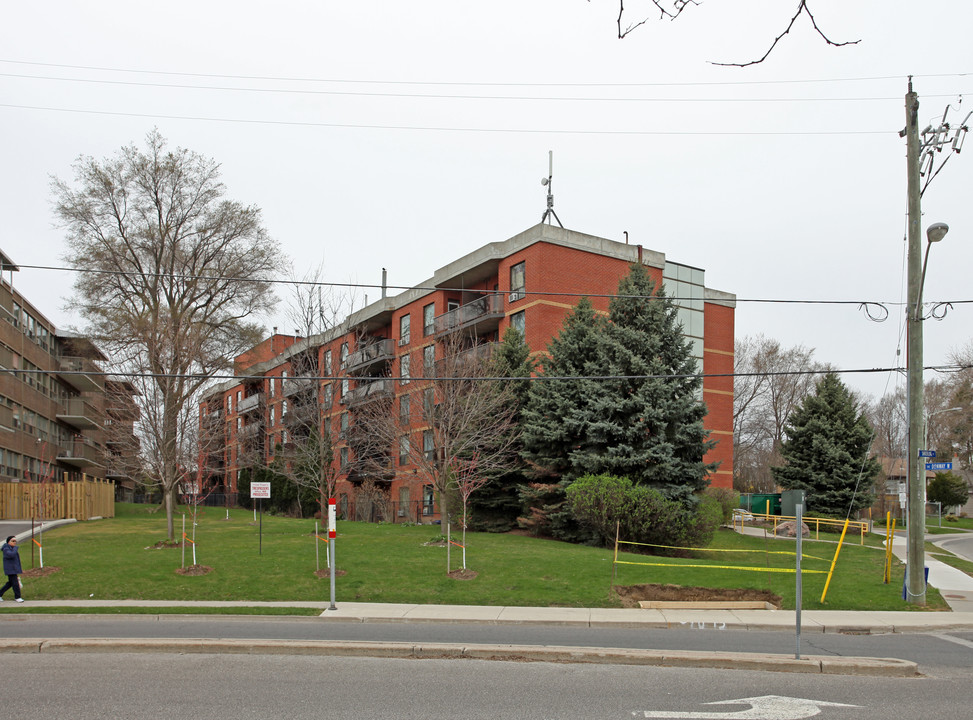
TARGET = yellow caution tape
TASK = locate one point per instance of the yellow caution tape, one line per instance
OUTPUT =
(675, 547)
(726, 567)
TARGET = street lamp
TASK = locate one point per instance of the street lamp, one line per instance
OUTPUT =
(915, 552)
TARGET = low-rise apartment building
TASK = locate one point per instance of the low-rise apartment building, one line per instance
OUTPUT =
(391, 348)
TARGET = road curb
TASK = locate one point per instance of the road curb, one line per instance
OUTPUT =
(886, 667)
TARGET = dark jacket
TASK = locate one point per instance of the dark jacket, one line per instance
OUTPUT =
(11, 560)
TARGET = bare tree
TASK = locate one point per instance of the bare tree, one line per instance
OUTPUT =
(461, 412)
(171, 275)
(672, 9)
(770, 383)
(469, 479)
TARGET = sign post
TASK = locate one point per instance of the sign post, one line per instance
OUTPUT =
(332, 532)
(260, 490)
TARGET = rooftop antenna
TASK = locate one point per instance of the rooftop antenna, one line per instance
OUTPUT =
(550, 195)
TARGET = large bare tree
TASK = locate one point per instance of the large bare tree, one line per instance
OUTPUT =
(171, 276)
(770, 383)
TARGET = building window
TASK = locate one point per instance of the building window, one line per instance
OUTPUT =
(273, 386)
(283, 409)
(404, 410)
(272, 415)
(405, 363)
(328, 399)
(343, 353)
(404, 322)
(344, 388)
(429, 361)
(404, 450)
(428, 403)
(343, 458)
(344, 423)
(518, 287)
(239, 397)
(327, 363)
(428, 503)
(404, 502)
(428, 445)
(428, 319)
(518, 321)
(452, 305)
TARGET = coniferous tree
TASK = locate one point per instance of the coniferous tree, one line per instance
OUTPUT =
(647, 422)
(630, 406)
(826, 452)
(557, 418)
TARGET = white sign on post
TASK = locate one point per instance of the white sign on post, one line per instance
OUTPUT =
(260, 490)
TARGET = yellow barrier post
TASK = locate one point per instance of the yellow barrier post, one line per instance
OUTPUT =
(835, 560)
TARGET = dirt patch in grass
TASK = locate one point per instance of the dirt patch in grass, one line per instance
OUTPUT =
(41, 572)
(194, 570)
(463, 574)
(632, 594)
(327, 573)
(163, 544)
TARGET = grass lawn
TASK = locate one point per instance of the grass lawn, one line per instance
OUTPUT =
(117, 559)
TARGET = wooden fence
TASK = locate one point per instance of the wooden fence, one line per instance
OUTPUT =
(81, 500)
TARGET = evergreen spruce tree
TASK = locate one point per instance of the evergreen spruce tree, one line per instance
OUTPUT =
(496, 505)
(826, 452)
(557, 417)
(646, 424)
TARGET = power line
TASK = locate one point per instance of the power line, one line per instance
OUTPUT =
(441, 96)
(433, 128)
(485, 378)
(433, 288)
(271, 78)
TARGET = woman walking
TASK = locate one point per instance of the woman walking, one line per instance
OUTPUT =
(11, 568)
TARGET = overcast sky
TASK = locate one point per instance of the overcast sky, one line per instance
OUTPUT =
(404, 135)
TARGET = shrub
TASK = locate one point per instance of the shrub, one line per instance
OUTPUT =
(642, 514)
(729, 500)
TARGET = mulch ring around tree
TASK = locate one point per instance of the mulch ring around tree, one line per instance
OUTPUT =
(41, 572)
(327, 573)
(631, 594)
(194, 570)
(462, 574)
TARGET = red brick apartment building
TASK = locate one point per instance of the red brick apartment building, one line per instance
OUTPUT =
(530, 281)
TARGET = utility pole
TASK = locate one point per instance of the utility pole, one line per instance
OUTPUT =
(921, 154)
(915, 556)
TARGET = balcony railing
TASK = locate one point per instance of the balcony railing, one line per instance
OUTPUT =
(368, 392)
(79, 414)
(81, 453)
(382, 351)
(249, 403)
(296, 386)
(481, 315)
(81, 374)
(458, 364)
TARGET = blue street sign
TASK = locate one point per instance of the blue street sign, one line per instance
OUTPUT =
(927, 453)
(939, 466)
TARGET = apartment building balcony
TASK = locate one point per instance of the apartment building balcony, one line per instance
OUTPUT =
(81, 374)
(250, 430)
(250, 403)
(368, 392)
(369, 356)
(116, 472)
(79, 414)
(455, 366)
(299, 414)
(81, 453)
(298, 386)
(377, 469)
(477, 317)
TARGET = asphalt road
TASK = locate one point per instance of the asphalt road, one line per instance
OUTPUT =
(938, 655)
(80, 686)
